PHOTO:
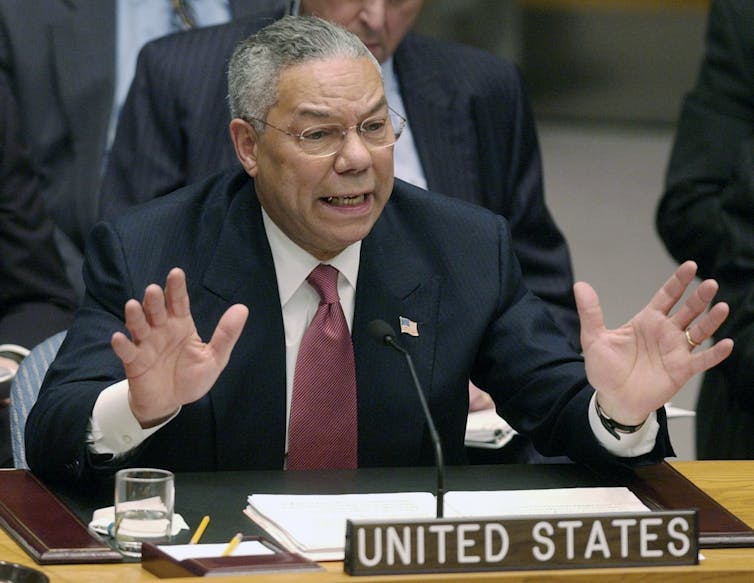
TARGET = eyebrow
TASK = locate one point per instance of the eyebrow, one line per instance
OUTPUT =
(313, 112)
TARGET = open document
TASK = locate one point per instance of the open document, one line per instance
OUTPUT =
(315, 525)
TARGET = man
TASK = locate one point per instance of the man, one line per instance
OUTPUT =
(706, 213)
(470, 131)
(69, 64)
(35, 298)
(314, 135)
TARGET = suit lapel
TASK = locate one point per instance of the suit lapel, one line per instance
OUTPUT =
(392, 285)
(242, 271)
(441, 127)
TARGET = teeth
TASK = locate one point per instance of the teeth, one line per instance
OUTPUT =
(348, 200)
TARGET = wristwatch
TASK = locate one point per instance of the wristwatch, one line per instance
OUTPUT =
(613, 427)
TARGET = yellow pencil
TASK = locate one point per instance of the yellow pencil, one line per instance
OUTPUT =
(232, 545)
(200, 530)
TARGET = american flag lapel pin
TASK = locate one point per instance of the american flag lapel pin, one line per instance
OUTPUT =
(408, 326)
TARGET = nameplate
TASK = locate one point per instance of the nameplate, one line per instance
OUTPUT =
(522, 543)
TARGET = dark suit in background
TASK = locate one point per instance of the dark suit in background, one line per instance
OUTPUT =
(414, 263)
(36, 299)
(58, 56)
(468, 110)
(707, 213)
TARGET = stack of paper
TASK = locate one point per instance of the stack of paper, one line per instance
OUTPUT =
(315, 525)
(487, 429)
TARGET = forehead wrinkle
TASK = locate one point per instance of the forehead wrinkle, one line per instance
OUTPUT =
(338, 89)
(306, 110)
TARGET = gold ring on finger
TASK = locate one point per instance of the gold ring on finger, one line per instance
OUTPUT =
(689, 339)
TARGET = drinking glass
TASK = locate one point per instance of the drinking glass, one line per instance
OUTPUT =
(144, 499)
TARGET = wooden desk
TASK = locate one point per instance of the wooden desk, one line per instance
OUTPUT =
(730, 483)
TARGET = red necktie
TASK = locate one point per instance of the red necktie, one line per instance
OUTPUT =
(323, 427)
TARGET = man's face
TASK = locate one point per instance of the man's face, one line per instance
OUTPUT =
(323, 204)
(380, 24)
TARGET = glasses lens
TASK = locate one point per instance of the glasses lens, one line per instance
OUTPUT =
(322, 140)
(381, 132)
(376, 132)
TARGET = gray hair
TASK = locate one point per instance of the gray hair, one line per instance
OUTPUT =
(258, 61)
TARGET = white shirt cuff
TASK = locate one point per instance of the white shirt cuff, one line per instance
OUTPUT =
(629, 444)
(113, 429)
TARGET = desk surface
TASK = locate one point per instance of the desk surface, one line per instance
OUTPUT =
(730, 483)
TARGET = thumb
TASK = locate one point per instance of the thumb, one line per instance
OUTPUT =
(228, 331)
(590, 312)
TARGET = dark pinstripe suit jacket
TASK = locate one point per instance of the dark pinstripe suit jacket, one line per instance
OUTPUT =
(58, 56)
(468, 111)
(415, 263)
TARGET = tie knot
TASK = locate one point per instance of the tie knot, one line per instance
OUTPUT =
(324, 278)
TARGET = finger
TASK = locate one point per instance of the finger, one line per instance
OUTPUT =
(712, 356)
(590, 312)
(123, 348)
(696, 303)
(706, 326)
(674, 288)
(227, 332)
(153, 305)
(176, 293)
(136, 321)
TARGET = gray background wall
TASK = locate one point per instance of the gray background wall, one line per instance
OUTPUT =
(606, 78)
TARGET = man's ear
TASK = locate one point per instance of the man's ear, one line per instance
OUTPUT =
(245, 138)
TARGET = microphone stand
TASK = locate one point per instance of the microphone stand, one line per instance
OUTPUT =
(381, 330)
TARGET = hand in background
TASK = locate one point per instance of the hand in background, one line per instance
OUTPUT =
(479, 400)
(638, 367)
(167, 364)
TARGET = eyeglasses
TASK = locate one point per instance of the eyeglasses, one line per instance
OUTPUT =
(325, 140)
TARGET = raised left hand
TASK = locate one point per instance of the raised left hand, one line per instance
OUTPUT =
(638, 367)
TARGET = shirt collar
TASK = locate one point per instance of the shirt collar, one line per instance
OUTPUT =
(293, 264)
(388, 75)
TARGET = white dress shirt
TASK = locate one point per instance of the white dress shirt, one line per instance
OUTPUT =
(406, 159)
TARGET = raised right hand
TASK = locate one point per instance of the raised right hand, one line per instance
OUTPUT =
(167, 364)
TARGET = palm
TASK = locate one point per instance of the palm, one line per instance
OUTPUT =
(166, 362)
(638, 367)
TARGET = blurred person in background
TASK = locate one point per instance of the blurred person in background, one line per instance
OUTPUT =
(707, 212)
(69, 65)
(36, 299)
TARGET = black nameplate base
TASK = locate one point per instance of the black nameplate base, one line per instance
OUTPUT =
(522, 543)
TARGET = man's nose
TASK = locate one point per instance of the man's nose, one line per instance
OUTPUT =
(354, 155)
(373, 13)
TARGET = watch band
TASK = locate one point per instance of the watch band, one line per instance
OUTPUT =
(612, 426)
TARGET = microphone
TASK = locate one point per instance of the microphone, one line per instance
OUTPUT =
(382, 332)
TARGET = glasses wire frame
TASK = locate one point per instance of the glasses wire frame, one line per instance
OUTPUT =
(325, 140)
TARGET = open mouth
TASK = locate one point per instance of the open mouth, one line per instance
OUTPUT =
(345, 200)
